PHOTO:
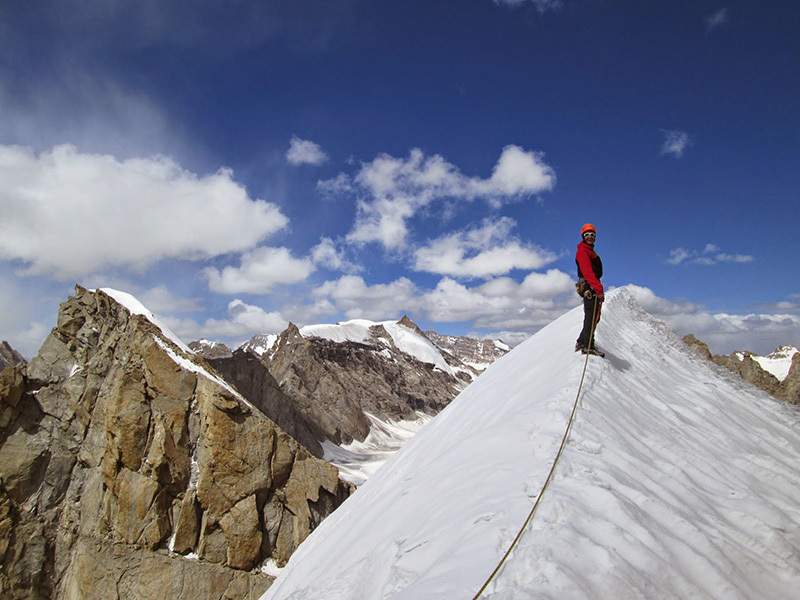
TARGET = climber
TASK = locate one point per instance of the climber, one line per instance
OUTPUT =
(590, 270)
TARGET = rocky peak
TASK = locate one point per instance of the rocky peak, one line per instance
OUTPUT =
(208, 349)
(9, 356)
(478, 354)
(407, 322)
(121, 453)
(336, 381)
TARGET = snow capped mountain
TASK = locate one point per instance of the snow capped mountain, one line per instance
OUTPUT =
(208, 349)
(477, 354)
(777, 363)
(677, 480)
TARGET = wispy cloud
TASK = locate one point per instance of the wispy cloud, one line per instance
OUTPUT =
(675, 142)
(710, 255)
(305, 152)
(717, 19)
(541, 5)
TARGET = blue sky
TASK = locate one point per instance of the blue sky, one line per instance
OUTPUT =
(240, 165)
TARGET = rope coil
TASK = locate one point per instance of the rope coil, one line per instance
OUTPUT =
(552, 469)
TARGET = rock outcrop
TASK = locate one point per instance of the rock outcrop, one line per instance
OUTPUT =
(9, 357)
(129, 469)
(477, 354)
(743, 364)
(251, 377)
(334, 384)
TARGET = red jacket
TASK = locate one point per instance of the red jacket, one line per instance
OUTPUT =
(590, 267)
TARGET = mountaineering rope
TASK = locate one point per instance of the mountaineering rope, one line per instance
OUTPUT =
(552, 469)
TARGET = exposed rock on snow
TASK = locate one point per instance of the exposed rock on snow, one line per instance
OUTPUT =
(478, 354)
(209, 350)
(120, 452)
(777, 374)
(678, 480)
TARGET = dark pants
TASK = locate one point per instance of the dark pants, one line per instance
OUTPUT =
(588, 311)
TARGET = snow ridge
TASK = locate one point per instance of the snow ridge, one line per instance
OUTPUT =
(678, 481)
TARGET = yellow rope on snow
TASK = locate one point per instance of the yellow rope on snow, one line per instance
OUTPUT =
(552, 469)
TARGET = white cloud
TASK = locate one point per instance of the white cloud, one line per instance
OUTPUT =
(259, 271)
(717, 19)
(675, 142)
(496, 304)
(351, 295)
(327, 255)
(245, 321)
(485, 251)
(392, 190)
(68, 214)
(710, 255)
(160, 300)
(305, 152)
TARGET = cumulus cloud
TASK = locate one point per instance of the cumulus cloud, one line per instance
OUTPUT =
(68, 214)
(485, 251)
(260, 270)
(675, 142)
(710, 255)
(351, 295)
(717, 19)
(327, 255)
(305, 152)
(392, 190)
(496, 304)
(161, 300)
(245, 321)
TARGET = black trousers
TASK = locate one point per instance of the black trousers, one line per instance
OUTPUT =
(588, 312)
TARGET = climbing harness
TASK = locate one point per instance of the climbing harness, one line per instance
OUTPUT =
(552, 469)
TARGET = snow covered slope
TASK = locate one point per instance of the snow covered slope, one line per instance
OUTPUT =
(679, 480)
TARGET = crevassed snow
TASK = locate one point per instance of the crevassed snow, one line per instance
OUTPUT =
(358, 461)
(678, 481)
(407, 340)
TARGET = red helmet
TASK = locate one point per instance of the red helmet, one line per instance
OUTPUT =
(588, 227)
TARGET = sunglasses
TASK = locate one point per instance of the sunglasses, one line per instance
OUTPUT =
(590, 233)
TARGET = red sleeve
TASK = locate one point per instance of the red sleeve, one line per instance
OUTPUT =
(585, 264)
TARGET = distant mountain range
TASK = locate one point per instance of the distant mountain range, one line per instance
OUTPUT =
(352, 392)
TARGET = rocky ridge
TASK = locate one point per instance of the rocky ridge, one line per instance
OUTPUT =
(129, 469)
(210, 350)
(477, 354)
(337, 382)
(748, 366)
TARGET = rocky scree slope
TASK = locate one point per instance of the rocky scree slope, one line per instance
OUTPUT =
(129, 469)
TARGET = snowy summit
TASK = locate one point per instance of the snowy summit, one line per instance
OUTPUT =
(677, 480)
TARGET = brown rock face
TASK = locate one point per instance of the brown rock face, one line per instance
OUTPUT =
(334, 384)
(119, 455)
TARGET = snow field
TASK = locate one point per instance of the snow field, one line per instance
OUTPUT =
(677, 481)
